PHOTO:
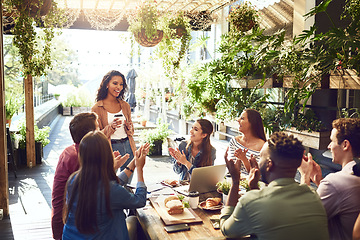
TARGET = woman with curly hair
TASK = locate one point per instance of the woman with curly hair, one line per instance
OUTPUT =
(115, 114)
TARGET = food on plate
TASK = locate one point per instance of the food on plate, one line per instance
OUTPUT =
(212, 202)
(173, 197)
(173, 205)
(170, 182)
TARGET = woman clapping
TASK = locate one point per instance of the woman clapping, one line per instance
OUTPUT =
(95, 200)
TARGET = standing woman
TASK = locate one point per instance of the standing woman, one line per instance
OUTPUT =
(250, 141)
(115, 114)
(196, 152)
(94, 199)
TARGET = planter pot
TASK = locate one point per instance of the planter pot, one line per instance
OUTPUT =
(143, 123)
(8, 122)
(316, 140)
(156, 149)
(76, 110)
(143, 40)
(66, 111)
(245, 28)
(32, 6)
(224, 198)
(39, 152)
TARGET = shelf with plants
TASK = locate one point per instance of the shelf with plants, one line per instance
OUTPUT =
(298, 67)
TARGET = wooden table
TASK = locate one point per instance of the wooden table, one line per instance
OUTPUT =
(153, 226)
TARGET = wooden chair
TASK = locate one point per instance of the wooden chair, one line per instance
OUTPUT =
(10, 152)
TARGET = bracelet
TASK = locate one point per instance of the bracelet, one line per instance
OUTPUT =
(129, 169)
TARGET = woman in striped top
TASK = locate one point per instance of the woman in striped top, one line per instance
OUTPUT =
(250, 141)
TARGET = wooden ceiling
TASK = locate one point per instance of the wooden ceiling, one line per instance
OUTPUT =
(129, 5)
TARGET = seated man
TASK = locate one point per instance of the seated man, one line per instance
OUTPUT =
(340, 191)
(282, 210)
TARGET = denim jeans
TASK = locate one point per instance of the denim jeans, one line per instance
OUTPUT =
(124, 148)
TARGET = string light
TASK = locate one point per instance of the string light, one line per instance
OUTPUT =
(103, 19)
(103, 16)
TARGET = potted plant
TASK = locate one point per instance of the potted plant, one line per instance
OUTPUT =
(243, 17)
(13, 104)
(57, 95)
(68, 103)
(156, 137)
(143, 121)
(41, 140)
(223, 187)
(144, 24)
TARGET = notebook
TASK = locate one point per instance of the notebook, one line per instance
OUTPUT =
(203, 179)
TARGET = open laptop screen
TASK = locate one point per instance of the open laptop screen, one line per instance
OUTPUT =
(203, 179)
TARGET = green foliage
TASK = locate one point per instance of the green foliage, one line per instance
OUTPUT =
(79, 98)
(145, 17)
(161, 132)
(13, 103)
(171, 50)
(338, 48)
(35, 59)
(223, 186)
(242, 16)
(40, 135)
(213, 87)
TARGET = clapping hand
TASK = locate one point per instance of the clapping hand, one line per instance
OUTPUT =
(254, 174)
(241, 153)
(119, 160)
(140, 155)
(179, 156)
(233, 166)
(309, 169)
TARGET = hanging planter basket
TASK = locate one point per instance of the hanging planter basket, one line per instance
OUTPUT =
(244, 27)
(144, 41)
(180, 31)
(200, 21)
(35, 7)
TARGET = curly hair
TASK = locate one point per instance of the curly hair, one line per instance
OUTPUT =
(102, 91)
(348, 129)
(285, 147)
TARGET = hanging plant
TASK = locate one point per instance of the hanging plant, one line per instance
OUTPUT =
(35, 57)
(34, 8)
(243, 17)
(180, 29)
(144, 24)
(200, 21)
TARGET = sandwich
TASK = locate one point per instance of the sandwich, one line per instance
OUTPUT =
(170, 182)
(173, 205)
(212, 202)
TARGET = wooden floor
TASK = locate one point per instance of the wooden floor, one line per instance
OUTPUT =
(30, 192)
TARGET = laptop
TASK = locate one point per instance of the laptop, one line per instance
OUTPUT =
(203, 179)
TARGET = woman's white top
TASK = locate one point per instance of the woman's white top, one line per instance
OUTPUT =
(120, 131)
(233, 146)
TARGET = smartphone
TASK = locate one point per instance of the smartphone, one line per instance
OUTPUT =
(215, 223)
(177, 228)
